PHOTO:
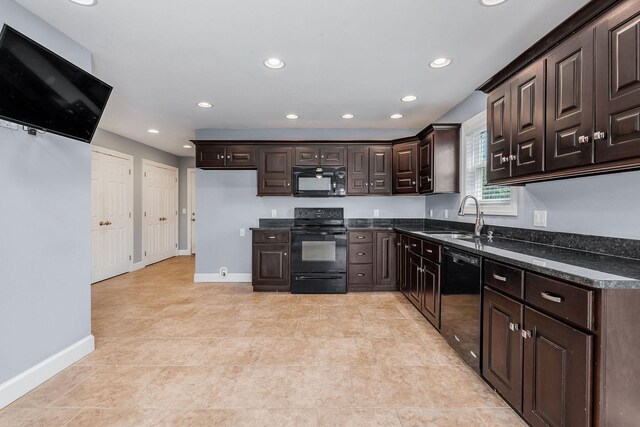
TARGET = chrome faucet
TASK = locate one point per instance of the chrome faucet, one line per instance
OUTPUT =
(479, 215)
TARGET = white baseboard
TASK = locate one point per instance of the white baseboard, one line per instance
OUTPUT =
(138, 266)
(23, 383)
(215, 277)
(184, 252)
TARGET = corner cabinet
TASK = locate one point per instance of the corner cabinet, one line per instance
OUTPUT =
(270, 261)
(439, 159)
(405, 168)
(574, 111)
(274, 171)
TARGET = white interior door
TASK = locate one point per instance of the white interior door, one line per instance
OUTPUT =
(111, 214)
(160, 217)
(191, 196)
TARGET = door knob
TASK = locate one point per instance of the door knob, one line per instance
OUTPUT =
(107, 223)
(101, 223)
(193, 219)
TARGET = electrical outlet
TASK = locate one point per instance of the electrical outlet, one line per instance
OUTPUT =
(376, 213)
(430, 213)
(274, 213)
(446, 214)
(539, 218)
(242, 232)
(8, 125)
(224, 272)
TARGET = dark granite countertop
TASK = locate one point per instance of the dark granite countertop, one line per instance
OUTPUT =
(587, 268)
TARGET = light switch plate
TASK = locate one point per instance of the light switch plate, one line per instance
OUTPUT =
(274, 213)
(376, 213)
(446, 213)
(539, 218)
(430, 213)
(242, 232)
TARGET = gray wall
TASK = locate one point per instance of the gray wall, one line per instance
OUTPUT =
(185, 163)
(606, 205)
(226, 201)
(45, 275)
(139, 152)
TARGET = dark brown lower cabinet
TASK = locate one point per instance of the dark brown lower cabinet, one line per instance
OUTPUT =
(385, 262)
(502, 345)
(430, 292)
(414, 279)
(270, 261)
(557, 372)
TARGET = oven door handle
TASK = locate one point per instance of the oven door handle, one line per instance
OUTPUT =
(320, 233)
(318, 278)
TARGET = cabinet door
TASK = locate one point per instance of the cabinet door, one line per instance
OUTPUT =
(405, 168)
(274, 171)
(385, 248)
(332, 156)
(241, 157)
(570, 103)
(413, 278)
(557, 373)
(307, 156)
(357, 170)
(210, 157)
(618, 84)
(499, 133)
(527, 120)
(502, 345)
(425, 160)
(271, 265)
(400, 262)
(430, 293)
(380, 175)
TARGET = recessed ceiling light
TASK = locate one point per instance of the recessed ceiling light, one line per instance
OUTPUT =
(186, 146)
(85, 2)
(440, 63)
(291, 116)
(153, 131)
(409, 98)
(205, 104)
(274, 63)
(348, 116)
(396, 116)
(490, 3)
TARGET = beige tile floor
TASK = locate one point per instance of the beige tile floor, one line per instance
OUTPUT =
(173, 353)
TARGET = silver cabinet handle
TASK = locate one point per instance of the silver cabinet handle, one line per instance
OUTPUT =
(360, 274)
(552, 298)
(504, 159)
(597, 136)
(428, 179)
(414, 245)
(525, 334)
(413, 183)
(271, 237)
(218, 156)
(429, 251)
(316, 157)
(228, 157)
(366, 183)
(288, 184)
(514, 326)
(500, 278)
(285, 254)
(512, 157)
(360, 237)
(361, 253)
(583, 139)
(406, 246)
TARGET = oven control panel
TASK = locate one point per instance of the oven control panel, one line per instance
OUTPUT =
(319, 213)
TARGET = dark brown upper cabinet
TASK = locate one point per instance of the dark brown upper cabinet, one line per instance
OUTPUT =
(515, 125)
(439, 159)
(368, 170)
(274, 171)
(320, 156)
(226, 157)
(405, 168)
(570, 103)
(617, 128)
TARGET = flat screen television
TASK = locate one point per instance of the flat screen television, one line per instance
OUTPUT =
(41, 90)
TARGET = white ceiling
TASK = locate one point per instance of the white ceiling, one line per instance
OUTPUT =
(342, 56)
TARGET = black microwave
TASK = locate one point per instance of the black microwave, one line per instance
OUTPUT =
(319, 181)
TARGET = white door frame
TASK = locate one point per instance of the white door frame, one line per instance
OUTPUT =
(146, 163)
(129, 159)
(190, 191)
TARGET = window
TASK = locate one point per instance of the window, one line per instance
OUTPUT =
(494, 200)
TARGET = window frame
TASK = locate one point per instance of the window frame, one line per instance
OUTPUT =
(490, 208)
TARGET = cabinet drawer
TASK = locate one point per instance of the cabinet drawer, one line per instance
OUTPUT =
(241, 157)
(361, 253)
(431, 251)
(361, 236)
(360, 274)
(271, 236)
(506, 278)
(560, 299)
(415, 245)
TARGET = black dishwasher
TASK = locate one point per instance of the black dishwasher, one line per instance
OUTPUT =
(460, 304)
